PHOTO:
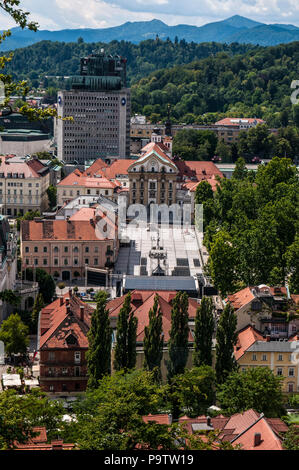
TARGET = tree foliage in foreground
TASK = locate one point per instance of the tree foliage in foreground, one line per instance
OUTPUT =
(19, 414)
(252, 231)
(14, 334)
(256, 388)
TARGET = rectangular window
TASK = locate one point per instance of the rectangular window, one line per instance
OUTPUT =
(280, 357)
(254, 357)
(279, 371)
(291, 372)
(51, 356)
(264, 357)
(77, 357)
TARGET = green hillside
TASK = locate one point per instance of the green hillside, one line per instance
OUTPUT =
(256, 83)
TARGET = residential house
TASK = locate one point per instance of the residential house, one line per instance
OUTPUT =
(63, 344)
(23, 185)
(272, 310)
(255, 350)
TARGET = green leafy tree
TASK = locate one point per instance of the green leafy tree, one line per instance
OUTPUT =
(194, 390)
(154, 340)
(223, 151)
(21, 87)
(240, 172)
(125, 348)
(52, 196)
(47, 286)
(99, 339)
(226, 338)
(178, 336)
(203, 334)
(10, 297)
(19, 414)
(204, 195)
(37, 307)
(291, 438)
(27, 216)
(110, 417)
(221, 264)
(14, 334)
(292, 263)
(256, 388)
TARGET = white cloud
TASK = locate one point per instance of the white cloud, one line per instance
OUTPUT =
(58, 14)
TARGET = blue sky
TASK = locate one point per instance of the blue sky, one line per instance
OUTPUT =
(58, 14)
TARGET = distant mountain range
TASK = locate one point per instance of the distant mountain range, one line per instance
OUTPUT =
(234, 29)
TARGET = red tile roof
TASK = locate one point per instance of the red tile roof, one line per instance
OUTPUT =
(246, 338)
(40, 442)
(197, 169)
(241, 428)
(159, 419)
(238, 121)
(76, 179)
(142, 302)
(59, 321)
(241, 298)
(59, 230)
(30, 169)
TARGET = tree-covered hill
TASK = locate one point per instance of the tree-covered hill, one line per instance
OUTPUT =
(256, 83)
(63, 59)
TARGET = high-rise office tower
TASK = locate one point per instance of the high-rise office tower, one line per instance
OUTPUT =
(99, 102)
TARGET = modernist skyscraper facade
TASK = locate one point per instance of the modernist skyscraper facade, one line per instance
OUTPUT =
(99, 102)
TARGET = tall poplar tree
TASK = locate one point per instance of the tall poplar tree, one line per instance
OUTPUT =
(126, 331)
(100, 339)
(153, 339)
(226, 338)
(204, 328)
(178, 342)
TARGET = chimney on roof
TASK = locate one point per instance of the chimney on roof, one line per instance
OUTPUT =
(71, 293)
(82, 312)
(268, 338)
(170, 418)
(208, 421)
(60, 301)
(67, 301)
(68, 310)
(57, 445)
(257, 439)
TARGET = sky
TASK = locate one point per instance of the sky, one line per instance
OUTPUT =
(62, 14)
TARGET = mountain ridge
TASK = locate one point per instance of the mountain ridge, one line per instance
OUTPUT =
(234, 29)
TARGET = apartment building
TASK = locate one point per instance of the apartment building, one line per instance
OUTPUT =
(253, 349)
(66, 248)
(23, 185)
(77, 184)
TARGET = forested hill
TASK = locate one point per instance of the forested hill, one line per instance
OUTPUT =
(63, 59)
(256, 83)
